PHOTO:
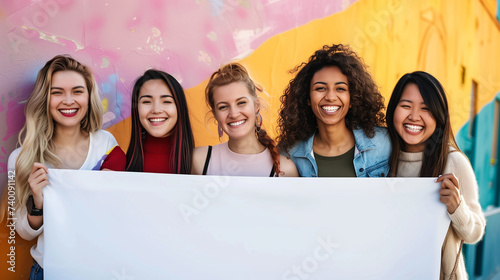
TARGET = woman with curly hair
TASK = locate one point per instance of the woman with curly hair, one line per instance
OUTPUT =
(232, 96)
(330, 118)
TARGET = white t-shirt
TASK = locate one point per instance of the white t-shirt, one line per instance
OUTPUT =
(101, 142)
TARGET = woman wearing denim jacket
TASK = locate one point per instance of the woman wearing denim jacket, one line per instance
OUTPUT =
(330, 118)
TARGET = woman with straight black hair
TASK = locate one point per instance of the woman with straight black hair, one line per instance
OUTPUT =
(161, 140)
(423, 144)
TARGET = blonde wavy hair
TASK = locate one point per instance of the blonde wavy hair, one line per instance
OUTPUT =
(36, 136)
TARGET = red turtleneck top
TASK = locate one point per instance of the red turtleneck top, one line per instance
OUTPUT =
(156, 155)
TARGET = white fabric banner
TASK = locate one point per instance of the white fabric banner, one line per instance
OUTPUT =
(124, 225)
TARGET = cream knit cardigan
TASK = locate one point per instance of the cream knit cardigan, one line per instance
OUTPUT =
(467, 222)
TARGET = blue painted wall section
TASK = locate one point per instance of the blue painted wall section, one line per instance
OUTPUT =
(483, 259)
(478, 150)
(498, 11)
(491, 246)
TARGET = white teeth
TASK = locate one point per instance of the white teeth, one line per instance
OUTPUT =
(330, 109)
(157, 120)
(413, 128)
(236, 123)
(68, 111)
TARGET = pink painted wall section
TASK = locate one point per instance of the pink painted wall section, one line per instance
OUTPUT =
(120, 39)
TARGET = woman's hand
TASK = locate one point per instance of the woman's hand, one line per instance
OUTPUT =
(37, 180)
(450, 195)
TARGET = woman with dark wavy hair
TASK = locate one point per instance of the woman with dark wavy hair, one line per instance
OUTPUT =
(161, 140)
(330, 118)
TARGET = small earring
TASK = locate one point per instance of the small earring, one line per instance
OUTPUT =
(258, 121)
(220, 131)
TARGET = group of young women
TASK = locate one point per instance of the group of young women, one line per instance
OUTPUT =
(331, 124)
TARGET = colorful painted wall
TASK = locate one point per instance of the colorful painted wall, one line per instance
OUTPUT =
(457, 41)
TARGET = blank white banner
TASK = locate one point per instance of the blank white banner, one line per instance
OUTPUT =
(141, 226)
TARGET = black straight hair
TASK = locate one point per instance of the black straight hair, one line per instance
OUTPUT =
(182, 135)
(438, 145)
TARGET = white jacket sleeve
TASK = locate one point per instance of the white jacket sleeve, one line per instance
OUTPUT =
(21, 215)
(23, 227)
(468, 219)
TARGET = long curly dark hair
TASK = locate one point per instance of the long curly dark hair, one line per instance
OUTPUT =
(296, 119)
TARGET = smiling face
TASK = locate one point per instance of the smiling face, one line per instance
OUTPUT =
(69, 99)
(157, 109)
(329, 96)
(235, 110)
(412, 119)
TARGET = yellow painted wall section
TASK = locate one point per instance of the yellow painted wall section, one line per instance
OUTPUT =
(456, 41)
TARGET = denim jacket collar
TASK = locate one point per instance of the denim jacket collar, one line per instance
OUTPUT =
(371, 155)
(304, 148)
(363, 143)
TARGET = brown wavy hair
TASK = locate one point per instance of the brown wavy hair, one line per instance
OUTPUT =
(231, 73)
(296, 120)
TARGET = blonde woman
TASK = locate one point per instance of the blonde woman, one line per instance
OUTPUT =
(62, 130)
